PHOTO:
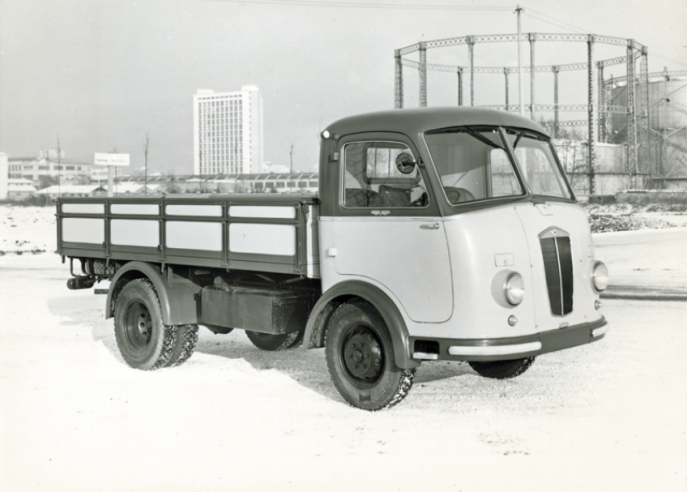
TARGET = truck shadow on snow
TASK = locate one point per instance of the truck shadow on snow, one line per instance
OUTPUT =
(307, 367)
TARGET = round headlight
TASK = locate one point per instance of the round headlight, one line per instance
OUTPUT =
(514, 288)
(600, 276)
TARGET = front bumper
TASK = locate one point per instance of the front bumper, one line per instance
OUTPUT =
(489, 349)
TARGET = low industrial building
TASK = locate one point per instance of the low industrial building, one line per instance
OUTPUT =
(20, 189)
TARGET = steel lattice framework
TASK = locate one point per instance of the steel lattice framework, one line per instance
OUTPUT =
(596, 108)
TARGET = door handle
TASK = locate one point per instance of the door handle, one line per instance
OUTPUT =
(430, 226)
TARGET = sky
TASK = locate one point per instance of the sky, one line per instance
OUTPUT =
(98, 75)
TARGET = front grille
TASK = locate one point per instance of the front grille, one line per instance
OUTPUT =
(558, 268)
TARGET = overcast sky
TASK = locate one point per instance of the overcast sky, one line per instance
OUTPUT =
(102, 73)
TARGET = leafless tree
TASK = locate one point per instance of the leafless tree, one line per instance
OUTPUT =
(569, 145)
(146, 149)
(670, 154)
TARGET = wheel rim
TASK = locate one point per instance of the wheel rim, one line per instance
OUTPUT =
(138, 326)
(363, 356)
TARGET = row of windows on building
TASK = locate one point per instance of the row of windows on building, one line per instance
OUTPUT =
(19, 168)
(287, 184)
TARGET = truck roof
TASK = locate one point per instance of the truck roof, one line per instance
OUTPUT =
(419, 120)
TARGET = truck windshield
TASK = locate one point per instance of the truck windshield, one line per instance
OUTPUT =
(474, 165)
(537, 162)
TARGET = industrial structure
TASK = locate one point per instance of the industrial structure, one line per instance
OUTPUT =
(605, 113)
(667, 94)
(227, 131)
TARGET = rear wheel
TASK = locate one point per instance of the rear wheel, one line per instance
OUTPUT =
(502, 369)
(360, 358)
(143, 340)
(186, 339)
(267, 341)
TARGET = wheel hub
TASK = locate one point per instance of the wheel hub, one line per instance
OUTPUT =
(363, 356)
(138, 325)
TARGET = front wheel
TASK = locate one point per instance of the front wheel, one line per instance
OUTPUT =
(360, 359)
(502, 369)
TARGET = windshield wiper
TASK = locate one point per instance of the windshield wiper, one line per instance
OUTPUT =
(482, 138)
(517, 139)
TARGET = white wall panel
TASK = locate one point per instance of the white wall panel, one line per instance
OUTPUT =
(262, 212)
(201, 210)
(135, 232)
(90, 231)
(83, 208)
(206, 236)
(135, 208)
(262, 239)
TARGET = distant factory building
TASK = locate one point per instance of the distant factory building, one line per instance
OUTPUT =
(227, 131)
(50, 163)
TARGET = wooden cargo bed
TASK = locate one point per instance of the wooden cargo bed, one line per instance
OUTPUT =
(265, 233)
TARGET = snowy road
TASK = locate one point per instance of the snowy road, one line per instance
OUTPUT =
(645, 263)
(608, 416)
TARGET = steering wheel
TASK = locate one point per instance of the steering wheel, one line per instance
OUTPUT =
(458, 195)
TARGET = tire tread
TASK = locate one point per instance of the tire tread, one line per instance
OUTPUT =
(503, 369)
(406, 376)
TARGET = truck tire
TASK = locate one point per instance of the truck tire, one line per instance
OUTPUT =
(360, 358)
(502, 369)
(143, 340)
(267, 341)
(186, 339)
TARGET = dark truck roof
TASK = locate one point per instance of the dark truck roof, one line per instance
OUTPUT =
(419, 120)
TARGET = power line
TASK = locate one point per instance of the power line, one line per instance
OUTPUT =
(562, 23)
(530, 12)
(668, 59)
(580, 30)
(410, 6)
(557, 24)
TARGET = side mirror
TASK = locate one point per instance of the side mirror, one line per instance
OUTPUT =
(405, 163)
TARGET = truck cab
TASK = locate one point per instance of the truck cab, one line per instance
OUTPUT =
(465, 219)
(438, 234)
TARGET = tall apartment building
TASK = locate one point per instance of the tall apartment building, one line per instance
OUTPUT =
(227, 131)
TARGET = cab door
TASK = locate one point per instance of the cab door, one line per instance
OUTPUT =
(387, 229)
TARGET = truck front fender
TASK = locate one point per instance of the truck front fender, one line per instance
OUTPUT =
(316, 327)
(178, 296)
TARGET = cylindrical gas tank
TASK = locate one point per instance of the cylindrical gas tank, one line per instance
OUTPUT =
(667, 104)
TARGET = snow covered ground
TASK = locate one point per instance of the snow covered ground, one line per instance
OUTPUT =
(74, 417)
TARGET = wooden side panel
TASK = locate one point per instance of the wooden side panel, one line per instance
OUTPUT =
(261, 233)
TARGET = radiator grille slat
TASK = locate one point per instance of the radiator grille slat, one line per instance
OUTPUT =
(565, 257)
(558, 269)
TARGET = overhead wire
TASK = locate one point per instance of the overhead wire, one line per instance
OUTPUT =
(338, 3)
(553, 23)
(669, 59)
(562, 23)
(528, 11)
(569, 26)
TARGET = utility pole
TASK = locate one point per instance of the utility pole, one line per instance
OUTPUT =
(59, 167)
(291, 157)
(110, 180)
(520, 87)
(146, 146)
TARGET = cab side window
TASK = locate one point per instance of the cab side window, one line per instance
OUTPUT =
(382, 175)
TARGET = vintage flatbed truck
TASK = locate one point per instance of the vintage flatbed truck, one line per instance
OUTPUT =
(438, 234)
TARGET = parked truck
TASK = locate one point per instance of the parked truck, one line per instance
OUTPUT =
(442, 234)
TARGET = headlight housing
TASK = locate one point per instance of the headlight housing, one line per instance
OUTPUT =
(600, 276)
(514, 288)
